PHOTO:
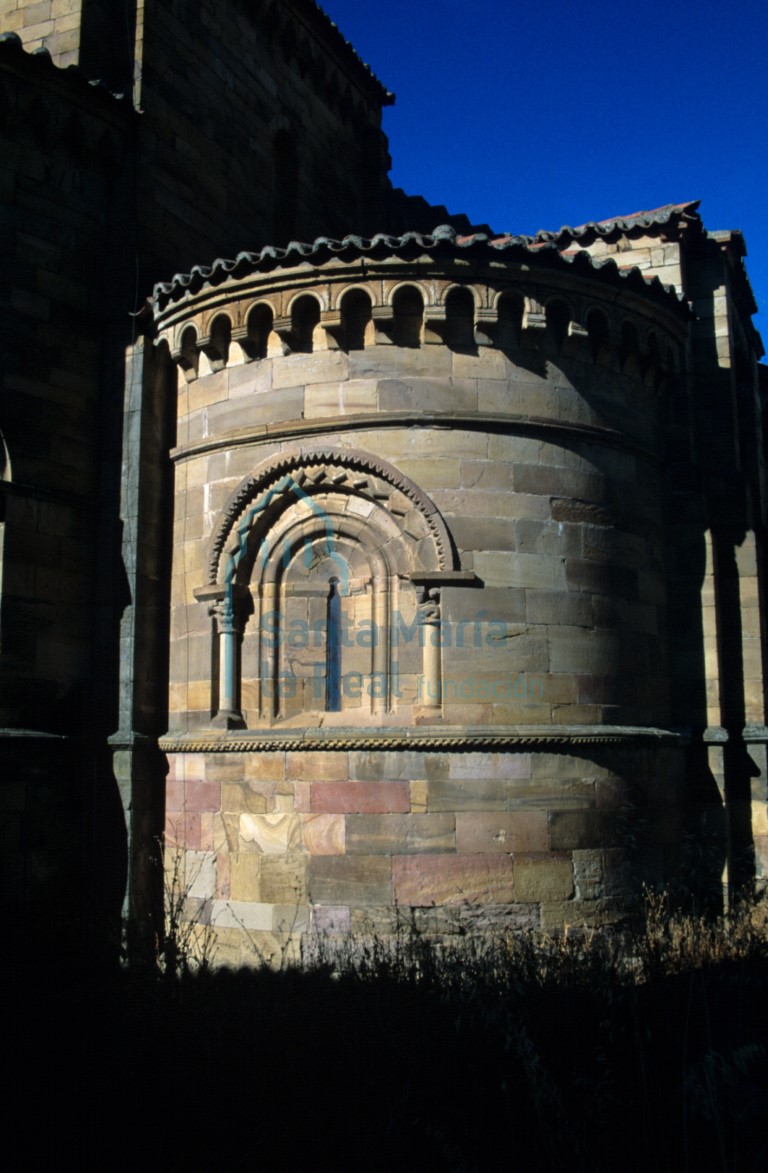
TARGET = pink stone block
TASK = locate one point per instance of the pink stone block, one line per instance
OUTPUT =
(424, 880)
(200, 795)
(360, 797)
(481, 833)
(174, 795)
(183, 830)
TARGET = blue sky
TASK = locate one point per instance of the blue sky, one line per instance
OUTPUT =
(529, 116)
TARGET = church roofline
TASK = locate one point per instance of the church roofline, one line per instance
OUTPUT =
(12, 46)
(442, 242)
(317, 16)
(655, 217)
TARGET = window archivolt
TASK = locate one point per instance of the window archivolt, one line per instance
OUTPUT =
(317, 583)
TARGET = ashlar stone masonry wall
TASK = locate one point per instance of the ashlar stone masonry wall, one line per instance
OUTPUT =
(494, 484)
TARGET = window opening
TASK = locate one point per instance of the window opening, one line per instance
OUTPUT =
(333, 650)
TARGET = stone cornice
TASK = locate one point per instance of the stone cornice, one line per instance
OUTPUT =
(430, 740)
(477, 421)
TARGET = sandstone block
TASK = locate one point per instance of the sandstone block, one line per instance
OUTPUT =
(350, 880)
(224, 768)
(480, 833)
(249, 378)
(262, 767)
(284, 879)
(253, 798)
(290, 918)
(240, 914)
(485, 474)
(201, 795)
(543, 878)
(199, 874)
(184, 829)
(419, 794)
(359, 797)
(377, 766)
(588, 874)
(432, 473)
(273, 834)
(295, 370)
(472, 502)
(519, 399)
(394, 443)
(423, 880)
(323, 834)
(558, 607)
(487, 363)
(330, 920)
(488, 533)
(396, 362)
(581, 650)
(583, 829)
(455, 794)
(490, 765)
(456, 395)
(329, 399)
(397, 834)
(245, 870)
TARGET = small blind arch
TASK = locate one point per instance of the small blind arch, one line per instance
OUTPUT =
(258, 329)
(597, 330)
(355, 316)
(509, 312)
(460, 319)
(408, 309)
(305, 314)
(221, 336)
(189, 354)
(558, 316)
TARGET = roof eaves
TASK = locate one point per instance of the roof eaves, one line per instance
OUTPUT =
(655, 217)
(443, 241)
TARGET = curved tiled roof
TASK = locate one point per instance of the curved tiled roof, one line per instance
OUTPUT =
(648, 219)
(442, 242)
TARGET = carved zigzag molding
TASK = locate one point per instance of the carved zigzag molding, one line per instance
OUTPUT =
(333, 461)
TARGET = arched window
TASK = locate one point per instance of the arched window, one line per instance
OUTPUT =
(510, 317)
(597, 329)
(189, 355)
(408, 307)
(316, 600)
(355, 316)
(218, 348)
(305, 314)
(558, 320)
(460, 320)
(333, 649)
(259, 327)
